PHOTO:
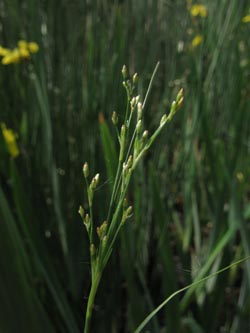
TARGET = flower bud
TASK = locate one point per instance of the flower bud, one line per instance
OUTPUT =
(114, 118)
(139, 126)
(130, 162)
(124, 72)
(81, 211)
(86, 170)
(139, 111)
(135, 78)
(163, 120)
(122, 142)
(144, 136)
(180, 95)
(95, 181)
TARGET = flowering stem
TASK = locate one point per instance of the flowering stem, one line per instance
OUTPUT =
(133, 145)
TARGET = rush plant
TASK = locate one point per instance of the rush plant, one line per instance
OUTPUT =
(134, 142)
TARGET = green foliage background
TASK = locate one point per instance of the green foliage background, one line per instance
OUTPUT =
(190, 196)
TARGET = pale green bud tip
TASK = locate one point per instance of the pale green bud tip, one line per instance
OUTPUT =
(86, 222)
(86, 170)
(101, 231)
(87, 219)
(95, 181)
(97, 177)
(135, 78)
(180, 95)
(126, 214)
(125, 203)
(129, 210)
(123, 130)
(180, 102)
(81, 212)
(145, 135)
(163, 120)
(139, 126)
(133, 103)
(139, 110)
(114, 118)
(124, 72)
(173, 105)
(139, 107)
(130, 161)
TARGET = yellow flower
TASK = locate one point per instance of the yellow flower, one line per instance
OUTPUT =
(22, 44)
(33, 47)
(23, 49)
(4, 51)
(246, 19)
(11, 58)
(24, 52)
(197, 40)
(198, 10)
(10, 140)
(240, 177)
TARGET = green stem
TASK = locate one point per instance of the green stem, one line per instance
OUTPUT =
(150, 83)
(114, 191)
(153, 313)
(90, 304)
(90, 213)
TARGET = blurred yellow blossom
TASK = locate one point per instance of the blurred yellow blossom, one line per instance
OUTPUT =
(246, 19)
(10, 140)
(11, 57)
(23, 51)
(240, 177)
(198, 10)
(22, 44)
(33, 47)
(4, 51)
(197, 40)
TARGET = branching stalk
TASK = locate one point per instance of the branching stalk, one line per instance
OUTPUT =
(134, 142)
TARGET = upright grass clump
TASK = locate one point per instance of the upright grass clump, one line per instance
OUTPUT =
(134, 141)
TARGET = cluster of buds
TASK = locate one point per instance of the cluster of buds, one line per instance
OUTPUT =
(127, 166)
(132, 147)
(102, 230)
(175, 106)
(134, 102)
(126, 214)
(85, 218)
(129, 86)
(93, 184)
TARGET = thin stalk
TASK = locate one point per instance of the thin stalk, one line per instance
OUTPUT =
(90, 212)
(116, 183)
(126, 159)
(117, 211)
(153, 313)
(90, 304)
(150, 83)
(115, 188)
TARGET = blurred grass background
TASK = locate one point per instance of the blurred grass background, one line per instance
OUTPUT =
(191, 196)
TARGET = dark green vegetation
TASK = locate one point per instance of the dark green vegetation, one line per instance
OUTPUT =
(191, 194)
